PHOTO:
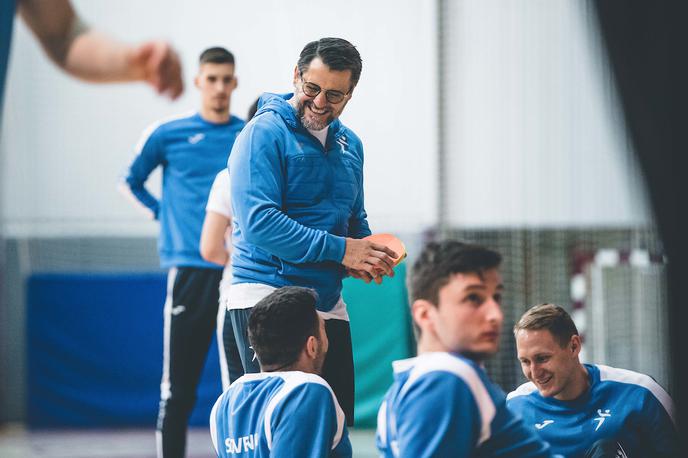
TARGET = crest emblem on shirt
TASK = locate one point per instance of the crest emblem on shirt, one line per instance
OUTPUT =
(543, 424)
(196, 138)
(601, 416)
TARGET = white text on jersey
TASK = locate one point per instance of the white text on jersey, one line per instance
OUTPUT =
(242, 444)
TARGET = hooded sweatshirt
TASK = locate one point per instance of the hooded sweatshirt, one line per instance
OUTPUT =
(295, 201)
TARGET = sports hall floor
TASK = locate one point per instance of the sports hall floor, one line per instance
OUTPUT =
(17, 442)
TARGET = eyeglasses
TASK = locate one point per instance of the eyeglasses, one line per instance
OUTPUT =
(312, 90)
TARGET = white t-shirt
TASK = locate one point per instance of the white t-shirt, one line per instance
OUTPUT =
(320, 134)
(246, 295)
(219, 202)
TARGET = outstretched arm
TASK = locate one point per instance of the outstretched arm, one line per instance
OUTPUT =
(87, 54)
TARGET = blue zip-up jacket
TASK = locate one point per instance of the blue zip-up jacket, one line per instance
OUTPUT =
(191, 152)
(295, 201)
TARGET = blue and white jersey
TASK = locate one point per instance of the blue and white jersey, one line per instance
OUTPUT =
(191, 151)
(442, 404)
(622, 405)
(279, 414)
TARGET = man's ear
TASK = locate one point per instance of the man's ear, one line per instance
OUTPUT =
(197, 81)
(311, 347)
(297, 75)
(420, 312)
(575, 345)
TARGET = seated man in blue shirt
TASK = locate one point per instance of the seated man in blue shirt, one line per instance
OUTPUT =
(442, 404)
(574, 406)
(286, 410)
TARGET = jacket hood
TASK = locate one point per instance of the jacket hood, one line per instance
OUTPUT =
(278, 103)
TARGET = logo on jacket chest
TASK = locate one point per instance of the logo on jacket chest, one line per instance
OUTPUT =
(195, 138)
(543, 424)
(602, 415)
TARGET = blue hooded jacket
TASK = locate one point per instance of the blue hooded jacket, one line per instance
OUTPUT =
(294, 201)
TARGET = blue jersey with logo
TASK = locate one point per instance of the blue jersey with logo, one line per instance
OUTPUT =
(442, 404)
(295, 201)
(622, 405)
(279, 414)
(191, 151)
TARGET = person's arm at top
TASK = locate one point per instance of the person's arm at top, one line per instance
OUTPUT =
(87, 54)
(258, 188)
(149, 156)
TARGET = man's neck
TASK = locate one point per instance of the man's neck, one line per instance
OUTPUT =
(288, 368)
(430, 345)
(216, 117)
(579, 384)
(427, 344)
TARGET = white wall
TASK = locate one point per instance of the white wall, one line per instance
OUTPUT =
(534, 136)
(64, 142)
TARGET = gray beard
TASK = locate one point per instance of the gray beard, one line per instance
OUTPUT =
(313, 125)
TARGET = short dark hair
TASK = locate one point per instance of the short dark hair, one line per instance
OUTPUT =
(549, 317)
(279, 325)
(216, 55)
(336, 53)
(440, 260)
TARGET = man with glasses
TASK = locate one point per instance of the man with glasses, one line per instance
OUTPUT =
(296, 175)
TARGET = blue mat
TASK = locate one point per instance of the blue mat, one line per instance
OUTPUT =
(95, 348)
(95, 351)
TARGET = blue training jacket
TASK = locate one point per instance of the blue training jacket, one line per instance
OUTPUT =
(443, 405)
(279, 414)
(294, 201)
(191, 151)
(621, 405)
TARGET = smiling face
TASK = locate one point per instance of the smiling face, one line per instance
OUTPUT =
(554, 369)
(468, 317)
(316, 112)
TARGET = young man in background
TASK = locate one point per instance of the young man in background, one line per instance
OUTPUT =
(191, 149)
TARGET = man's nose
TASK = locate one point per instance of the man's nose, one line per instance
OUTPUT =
(536, 369)
(320, 100)
(494, 312)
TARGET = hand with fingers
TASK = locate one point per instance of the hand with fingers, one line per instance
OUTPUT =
(367, 260)
(160, 67)
(360, 274)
